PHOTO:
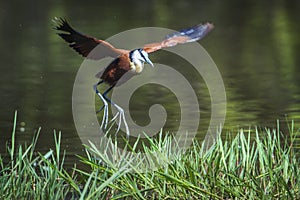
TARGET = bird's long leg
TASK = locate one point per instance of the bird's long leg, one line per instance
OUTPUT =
(105, 106)
(120, 113)
(104, 96)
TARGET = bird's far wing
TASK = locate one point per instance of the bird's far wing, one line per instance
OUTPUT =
(191, 34)
(84, 44)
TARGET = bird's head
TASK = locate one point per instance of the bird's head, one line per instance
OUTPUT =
(140, 56)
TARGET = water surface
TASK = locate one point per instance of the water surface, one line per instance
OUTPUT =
(254, 45)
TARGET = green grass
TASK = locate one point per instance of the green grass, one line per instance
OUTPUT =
(254, 164)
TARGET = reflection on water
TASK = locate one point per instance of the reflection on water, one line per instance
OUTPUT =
(255, 46)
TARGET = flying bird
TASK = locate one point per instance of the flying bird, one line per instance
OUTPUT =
(129, 62)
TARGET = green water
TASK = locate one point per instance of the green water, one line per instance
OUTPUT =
(254, 44)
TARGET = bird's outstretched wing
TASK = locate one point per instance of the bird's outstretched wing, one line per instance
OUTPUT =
(84, 44)
(186, 35)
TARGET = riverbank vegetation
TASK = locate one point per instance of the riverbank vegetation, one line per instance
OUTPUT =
(253, 164)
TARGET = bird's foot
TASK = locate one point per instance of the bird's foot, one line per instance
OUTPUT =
(119, 117)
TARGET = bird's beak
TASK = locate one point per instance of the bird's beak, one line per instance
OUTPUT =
(149, 62)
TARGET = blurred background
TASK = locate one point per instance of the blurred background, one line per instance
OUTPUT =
(255, 45)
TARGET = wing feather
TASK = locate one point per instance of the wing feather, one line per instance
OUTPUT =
(191, 34)
(84, 44)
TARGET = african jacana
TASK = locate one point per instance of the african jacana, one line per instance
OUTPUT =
(125, 61)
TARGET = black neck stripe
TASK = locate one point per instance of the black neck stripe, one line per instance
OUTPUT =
(140, 50)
